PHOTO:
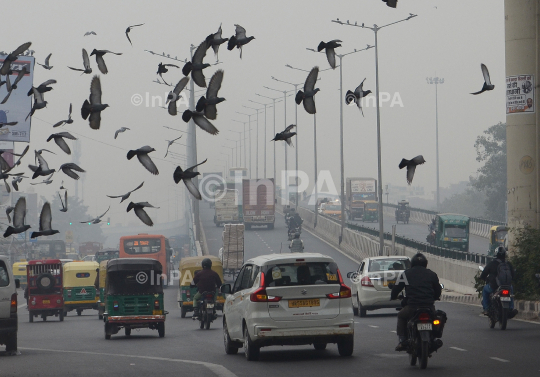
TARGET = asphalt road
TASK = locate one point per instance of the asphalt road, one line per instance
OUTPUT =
(77, 346)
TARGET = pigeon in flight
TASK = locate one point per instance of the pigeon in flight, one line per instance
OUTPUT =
(11, 87)
(329, 49)
(46, 181)
(68, 120)
(45, 219)
(144, 159)
(196, 65)
(138, 208)
(2, 124)
(169, 143)
(5, 175)
(125, 196)
(121, 129)
(16, 181)
(215, 40)
(99, 59)
(6, 65)
(391, 3)
(186, 176)
(86, 64)
(200, 121)
(129, 29)
(42, 169)
(94, 107)
(59, 140)
(174, 95)
(63, 202)
(70, 168)
(357, 96)
(46, 65)
(96, 220)
(411, 166)
(285, 135)
(8, 211)
(19, 214)
(90, 33)
(207, 104)
(162, 68)
(487, 80)
(239, 39)
(39, 151)
(39, 102)
(42, 88)
(307, 96)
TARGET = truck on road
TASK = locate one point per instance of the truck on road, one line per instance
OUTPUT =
(258, 202)
(227, 208)
(359, 190)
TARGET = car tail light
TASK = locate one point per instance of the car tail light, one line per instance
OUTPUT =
(505, 292)
(156, 304)
(115, 305)
(344, 291)
(260, 294)
(366, 282)
(13, 307)
(423, 317)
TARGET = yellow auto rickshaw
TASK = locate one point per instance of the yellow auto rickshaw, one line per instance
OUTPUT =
(188, 267)
(102, 280)
(497, 235)
(19, 272)
(79, 290)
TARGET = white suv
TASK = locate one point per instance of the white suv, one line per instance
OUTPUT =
(8, 306)
(287, 299)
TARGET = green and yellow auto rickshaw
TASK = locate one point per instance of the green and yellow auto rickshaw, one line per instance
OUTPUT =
(497, 235)
(106, 255)
(101, 280)
(19, 272)
(371, 211)
(134, 296)
(79, 290)
(188, 267)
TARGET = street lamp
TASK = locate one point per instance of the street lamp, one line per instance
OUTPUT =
(239, 157)
(256, 141)
(375, 30)
(436, 81)
(265, 134)
(244, 123)
(233, 152)
(249, 122)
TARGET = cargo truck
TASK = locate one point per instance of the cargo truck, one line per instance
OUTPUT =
(227, 208)
(258, 202)
(358, 191)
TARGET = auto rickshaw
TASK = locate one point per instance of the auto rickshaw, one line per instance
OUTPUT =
(19, 272)
(403, 212)
(79, 290)
(134, 296)
(188, 267)
(44, 291)
(106, 255)
(497, 235)
(371, 211)
(102, 282)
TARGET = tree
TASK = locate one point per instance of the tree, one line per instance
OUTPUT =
(491, 178)
(469, 203)
(526, 261)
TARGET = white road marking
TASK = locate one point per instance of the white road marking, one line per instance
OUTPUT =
(459, 349)
(394, 331)
(501, 360)
(375, 327)
(219, 370)
(391, 355)
(21, 306)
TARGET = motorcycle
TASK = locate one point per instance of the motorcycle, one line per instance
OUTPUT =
(430, 238)
(499, 307)
(207, 310)
(293, 231)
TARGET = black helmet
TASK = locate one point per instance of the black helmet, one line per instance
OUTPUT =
(419, 260)
(206, 263)
(501, 253)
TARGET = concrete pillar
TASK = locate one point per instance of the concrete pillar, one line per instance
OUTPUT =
(521, 35)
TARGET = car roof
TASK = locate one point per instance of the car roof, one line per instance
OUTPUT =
(264, 260)
(388, 257)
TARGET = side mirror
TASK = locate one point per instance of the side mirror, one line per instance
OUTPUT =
(225, 288)
(481, 268)
(17, 283)
(442, 286)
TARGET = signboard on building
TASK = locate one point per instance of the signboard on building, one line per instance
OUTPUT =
(520, 94)
(363, 185)
(69, 236)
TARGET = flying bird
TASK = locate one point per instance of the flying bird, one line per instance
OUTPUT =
(16, 181)
(487, 81)
(64, 202)
(239, 39)
(96, 220)
(307, 96)
(94, 107)
(357, 96)
(215, 40)
(196, 65)
(10, 58)
(186, 176)
(169, 143)
(138, 208)
(174, 95)
(70, 168)
(162, 68)
(99, 59)
(46, 65)
(125, 196)
(86, 64)
(411, 166)
(144, 159)
(39, 151)
(68, 120)
(42, 88)
(329, 49)
(90, 33)
(43, 168)
(2, 124)
(46, 181)
(59, 140)
(11, 87)
(129, 29)
(200, 121)
(5, 175)
(121, 129)
(285, 135)
(39, 102)
(8, 211)
(208, 104)
(391, 3)
(19, 214)
(45, 219)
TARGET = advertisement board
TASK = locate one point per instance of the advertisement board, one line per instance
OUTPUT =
(520, 94)
(358, 186)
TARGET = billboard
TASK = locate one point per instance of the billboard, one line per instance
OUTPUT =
(520, 94)
(19, 104)
(367, 185)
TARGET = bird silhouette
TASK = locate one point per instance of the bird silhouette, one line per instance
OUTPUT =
(196, 65)
(68, 120)
(307, 96)
(19, 215)
(411, 166)
(200, 120)
(239, 39)
(45, 220)
(100, 61)
(329, 49)
(93, 106)
(86, 64)
(46, 65)
(125, 196)
(129, 29)
(207, 104)
(144, 159)
(487, 81)
(10, 58)
(174, 95)
(169, 143)
(59, 140)
(186, 176)
(285, 135)
(138, 208)
(162, 68)
(357, 96)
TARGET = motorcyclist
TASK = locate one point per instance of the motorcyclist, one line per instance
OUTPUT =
(295, 221)
(432, 226)
(297, 245)
(489, 275)
(206, 280)
(422, 288)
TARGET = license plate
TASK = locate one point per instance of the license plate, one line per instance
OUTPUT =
(209, 306)
(424, 326)
(385, 284)
(506, 299)
(46, 301)
(304, 303)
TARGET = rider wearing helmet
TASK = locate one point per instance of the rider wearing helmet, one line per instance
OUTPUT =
(206, 280)
(295, 220)
(489, 275)
(422, 289)
(296, 246)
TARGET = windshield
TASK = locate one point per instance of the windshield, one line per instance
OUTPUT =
(332, 207)
(455, 231)
(499, 236)
(142, 246)
(133, 282)
(389, 265)
(372, 205)
(301, 273)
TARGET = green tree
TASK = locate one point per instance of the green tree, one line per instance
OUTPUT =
(526, 262)
(469, 203)
(491, 178)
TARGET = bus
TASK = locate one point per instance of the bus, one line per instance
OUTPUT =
(143, 245)
(50, 249)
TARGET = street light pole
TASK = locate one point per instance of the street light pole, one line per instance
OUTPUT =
(257, 141)
(436, 81)
(249, 121)
(265, 134)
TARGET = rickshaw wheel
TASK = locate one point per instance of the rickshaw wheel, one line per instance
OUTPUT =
(107, 331)
(161, 329)
(30, 317)
(79, 311)
(43, 317)
(127, 331)
(100, 316)
(183, 311)
(61, 316)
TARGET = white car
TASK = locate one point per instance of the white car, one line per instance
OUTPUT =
(286, 299)
(8, 306)
(370, 289)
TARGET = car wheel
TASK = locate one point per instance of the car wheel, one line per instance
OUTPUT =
(251, 351)
(361, 311)
(319, 346)
(11, 343)
(183, 311)
(230, 348)
(346, 347)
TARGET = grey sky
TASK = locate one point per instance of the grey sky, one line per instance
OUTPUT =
(448, 38)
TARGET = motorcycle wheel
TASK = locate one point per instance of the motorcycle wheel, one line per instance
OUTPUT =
(504, 319)
(491, 321)
(425, 355)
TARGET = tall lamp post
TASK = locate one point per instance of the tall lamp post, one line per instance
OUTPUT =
(436, 81)
(256, 141)
(375, 29)
(245, 140)
(265, 134)
(233, 151)
(239, 157)
(249, 129)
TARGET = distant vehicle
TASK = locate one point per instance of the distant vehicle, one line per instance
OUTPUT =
(79, 290)
(497, 237)
(89, 258)
(403, 212)
(371, 211)
(46, 249)
(332, 209)
(357, 191)
(227, 207)
(452, 231)
(258, 203)
(143, 245)
(19, 272)
(89, 248)
(8, 306)
(106, 255)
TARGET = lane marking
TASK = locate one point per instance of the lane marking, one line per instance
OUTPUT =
(394, 331)
(375, 327)
(459, 349)
(219, 370)
(21, 306)
(501, 360)
(390, 355)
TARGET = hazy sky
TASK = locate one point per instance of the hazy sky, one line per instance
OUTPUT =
(448, 38)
